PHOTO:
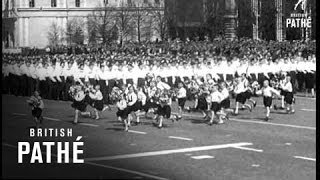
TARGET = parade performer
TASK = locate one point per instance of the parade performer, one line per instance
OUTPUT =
(215, 105)
(182, 97)
(267, 93)
(79, 101)
(97, 98)
(288, 91)
(37, 106)
(164, 108)
(132, 102)
(122, 112)
(225, 103)
(240, 90)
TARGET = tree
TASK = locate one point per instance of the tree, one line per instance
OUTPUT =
(74, 31)
(139, 18)
(101, 24)
(54, 34)
(160, 20)
(123, 21)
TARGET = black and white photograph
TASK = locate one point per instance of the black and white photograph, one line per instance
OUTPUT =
(159, 89)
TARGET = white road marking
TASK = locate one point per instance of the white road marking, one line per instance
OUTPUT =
(137, 132)
(311, 110)
(52, 119)
(275, 124)
(305, 158)
(288, 144)
(88, 124)
(255, 165)
(108, 167)
(202, 157)
(181, 138)
(301, 97)
(260, 122)
(248, 149)
(19, 114)
(173, 151)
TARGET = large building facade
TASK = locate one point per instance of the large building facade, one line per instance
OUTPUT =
(27, 23)
(257, 19)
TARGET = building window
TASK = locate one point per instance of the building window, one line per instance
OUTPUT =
(31, 3)
(145, 1)
(105, 2)
(157, 1)
(53, 3)
(77, 3)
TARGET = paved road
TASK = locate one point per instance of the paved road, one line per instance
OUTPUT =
(245, 147)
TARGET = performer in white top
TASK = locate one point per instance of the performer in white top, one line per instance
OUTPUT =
(97, 98)
(182, 98)
(142, 99)
(132, 102)
(240, 90)
(79, 101)
(162, 85)
(267, 92)
(37, 106)
(287, 87)
(214, 104)
(225, 103)
(122, 112)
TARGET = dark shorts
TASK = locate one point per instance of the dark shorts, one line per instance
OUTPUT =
(282, 92)
(88, 100)
(181, 102)
(225, 103)
(241, 98)
(202, 104)
(98, 104)
(79, 105)
(36, 112)
(215, 106)
(248, 94)
(139, 105)
(164, 111)
(267, 101)
(288, 98)
(150, 105)
(122, 113)
(134, 107)
(191, 96)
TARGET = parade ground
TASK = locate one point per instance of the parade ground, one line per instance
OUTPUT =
(244, 148)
